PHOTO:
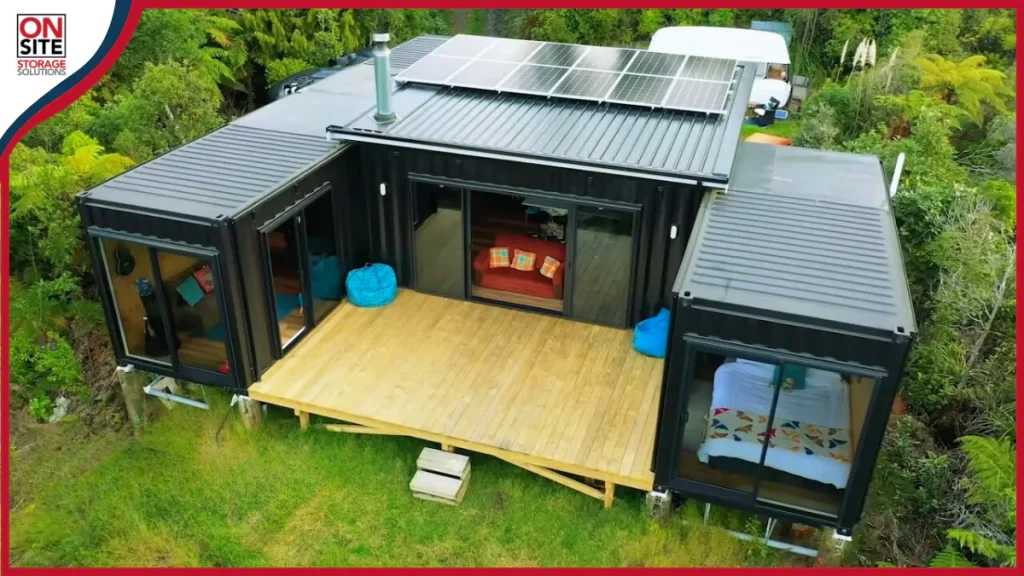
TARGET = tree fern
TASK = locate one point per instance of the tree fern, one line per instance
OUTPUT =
(950, 557)
(993, 469)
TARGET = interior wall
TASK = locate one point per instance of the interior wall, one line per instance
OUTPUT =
(861, 390)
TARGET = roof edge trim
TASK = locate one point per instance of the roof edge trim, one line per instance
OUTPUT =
(359, 136)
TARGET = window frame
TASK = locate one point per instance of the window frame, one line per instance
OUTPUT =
(96, 236)
(748, 500)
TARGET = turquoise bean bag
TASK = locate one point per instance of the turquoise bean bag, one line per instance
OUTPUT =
(650, 337)
(372, 285)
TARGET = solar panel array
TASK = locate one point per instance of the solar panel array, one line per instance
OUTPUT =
(624, 76)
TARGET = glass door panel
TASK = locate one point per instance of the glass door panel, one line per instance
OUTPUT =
(603, 264)
(193, 299)
(518, 247)
(140, 317)
(439, 247)
(819, 418)
(325, 265)
(726, 420)
(286, 274)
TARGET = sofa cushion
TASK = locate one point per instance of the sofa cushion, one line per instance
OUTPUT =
(499, 257)
(523, 260)
(549, 267)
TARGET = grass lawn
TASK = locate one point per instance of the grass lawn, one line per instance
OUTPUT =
(198, 489)
(784, 128)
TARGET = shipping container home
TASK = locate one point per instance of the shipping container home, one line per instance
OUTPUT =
(223, 263)
(791, 323)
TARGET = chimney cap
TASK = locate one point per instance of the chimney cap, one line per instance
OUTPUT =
(380, 37)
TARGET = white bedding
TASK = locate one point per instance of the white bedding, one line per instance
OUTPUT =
(824, 402)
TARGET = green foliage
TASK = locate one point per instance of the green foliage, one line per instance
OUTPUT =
(819, 129)
(40, 408)
(966, 84)
(912, 488)
(278, 70)
(170, 104)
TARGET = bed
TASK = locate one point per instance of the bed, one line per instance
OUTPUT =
(810, 437)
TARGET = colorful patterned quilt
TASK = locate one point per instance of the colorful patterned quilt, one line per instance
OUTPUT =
(788, 435)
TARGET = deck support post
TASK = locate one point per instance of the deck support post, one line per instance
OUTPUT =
(132, 384)
(447, 447)
(303, 419)
(609, 494)
(251, 412)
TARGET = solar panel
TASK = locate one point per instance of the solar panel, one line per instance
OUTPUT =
(508, 50)
(589, 84)
(596, 73)
(637, 89)
(703, 68)
(432, 69)
(464, 45)
(610, 59)
(656, 63)
(530, 79)
(700, 95)
(557, 55)
(485, 74)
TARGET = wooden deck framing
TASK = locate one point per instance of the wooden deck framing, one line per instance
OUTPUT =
(550, 395)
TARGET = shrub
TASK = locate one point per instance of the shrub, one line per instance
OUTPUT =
(818, 129)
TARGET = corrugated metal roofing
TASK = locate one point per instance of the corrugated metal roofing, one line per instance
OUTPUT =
(665, 143)
(409, 52)
(802, 245)
(253, 156)
(217, 174)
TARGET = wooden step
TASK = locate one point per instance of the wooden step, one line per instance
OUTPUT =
(446, 463)
(438, 487)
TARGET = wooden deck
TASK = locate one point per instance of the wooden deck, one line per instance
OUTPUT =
(545, 393)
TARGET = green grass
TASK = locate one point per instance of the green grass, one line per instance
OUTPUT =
(184, 495)
(785, 128)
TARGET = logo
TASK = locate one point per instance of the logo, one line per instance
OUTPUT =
(42, 45)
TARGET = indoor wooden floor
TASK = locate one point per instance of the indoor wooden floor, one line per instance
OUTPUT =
(533, 389)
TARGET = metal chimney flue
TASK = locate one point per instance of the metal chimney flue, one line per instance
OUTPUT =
(382, 77)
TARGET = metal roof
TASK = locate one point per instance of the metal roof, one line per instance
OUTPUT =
(661, 144)
(409, 52)
(819, 244)
(216, 175)
(224, 172)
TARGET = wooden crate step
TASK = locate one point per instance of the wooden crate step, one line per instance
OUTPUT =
(438, 487)
(446, 463)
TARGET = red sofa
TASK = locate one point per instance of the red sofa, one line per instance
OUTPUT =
(532, 283)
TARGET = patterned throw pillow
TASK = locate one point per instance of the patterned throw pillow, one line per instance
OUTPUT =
(499, 258)
(549, 267)
(523, 260)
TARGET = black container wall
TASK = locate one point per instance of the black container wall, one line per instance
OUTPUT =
(155, 229)
(662, 205)
(341, 174)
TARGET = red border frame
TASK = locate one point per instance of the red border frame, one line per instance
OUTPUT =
(108, 60)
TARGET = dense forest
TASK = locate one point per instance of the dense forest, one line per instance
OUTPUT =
(939, 87)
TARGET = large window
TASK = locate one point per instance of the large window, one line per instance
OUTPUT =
(781, 432)
(167, 306)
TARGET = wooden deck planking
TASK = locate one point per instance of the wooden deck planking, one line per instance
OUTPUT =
(547, 391)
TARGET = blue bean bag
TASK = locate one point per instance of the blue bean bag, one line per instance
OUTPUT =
(650, 336)
(372, 285)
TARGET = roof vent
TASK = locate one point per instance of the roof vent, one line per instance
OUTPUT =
(382, 77)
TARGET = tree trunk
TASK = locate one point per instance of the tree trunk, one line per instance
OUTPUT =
(972, 358)
(493, 21)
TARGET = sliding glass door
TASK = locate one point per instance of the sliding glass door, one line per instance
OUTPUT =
(519, 250)
(603, 264)
(303, 268)
(439, 248)
(782, 435)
